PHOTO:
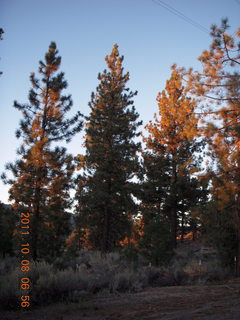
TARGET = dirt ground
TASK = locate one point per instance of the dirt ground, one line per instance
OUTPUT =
(211, 302)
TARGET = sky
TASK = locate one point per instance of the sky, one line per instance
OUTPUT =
(150, 37)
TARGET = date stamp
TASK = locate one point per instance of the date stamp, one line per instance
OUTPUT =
(25, 283)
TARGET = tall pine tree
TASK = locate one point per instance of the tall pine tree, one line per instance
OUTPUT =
(42, 174)
(217, 85)
(169, 160)
(105, 190)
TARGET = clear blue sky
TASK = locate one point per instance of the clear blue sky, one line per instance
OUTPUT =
(150, 38)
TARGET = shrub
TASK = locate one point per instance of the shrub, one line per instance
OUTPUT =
(8, 264)
(158, 277)
(10, 290)
(39, 269)
(109, 273)
(59, 286)
(123, 281)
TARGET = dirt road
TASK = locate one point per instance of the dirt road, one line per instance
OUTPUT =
(212, 302)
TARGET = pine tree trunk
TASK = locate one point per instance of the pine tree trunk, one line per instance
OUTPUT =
(182, 228)
(238, 223)
(194, 231)
(174, 226)
(36, 217)
(238, 237)
(174, 206)
(107, 226)
(35, 228)
(106, 244)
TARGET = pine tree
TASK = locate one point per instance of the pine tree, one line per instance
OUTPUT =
(105, 191)
(169, 160)
(217, 85)
(42, 174)
(220, 70)
(224, 145)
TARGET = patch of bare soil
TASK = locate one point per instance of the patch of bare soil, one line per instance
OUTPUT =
(211, 302)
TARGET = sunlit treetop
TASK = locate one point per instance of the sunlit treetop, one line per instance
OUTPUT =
(176, 122)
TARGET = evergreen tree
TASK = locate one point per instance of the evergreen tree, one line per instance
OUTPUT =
(218, 86)
(42, 175)
(224, 144)
(105, 191)
(169, 189)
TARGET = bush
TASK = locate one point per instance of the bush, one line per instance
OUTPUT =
(109, 273)
(8, 264)
(59, 286)
(10, 290)
(159, 277)
(196, 268)
(39, 269)
(126, 280)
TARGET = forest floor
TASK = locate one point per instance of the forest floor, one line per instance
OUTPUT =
(211, 302)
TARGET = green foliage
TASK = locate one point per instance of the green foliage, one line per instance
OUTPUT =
(105, 190)
(217, 89)
(219, 229)
(172, 196)
(42, 176)
(169, 188)
(8, 219)
(156, 241)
